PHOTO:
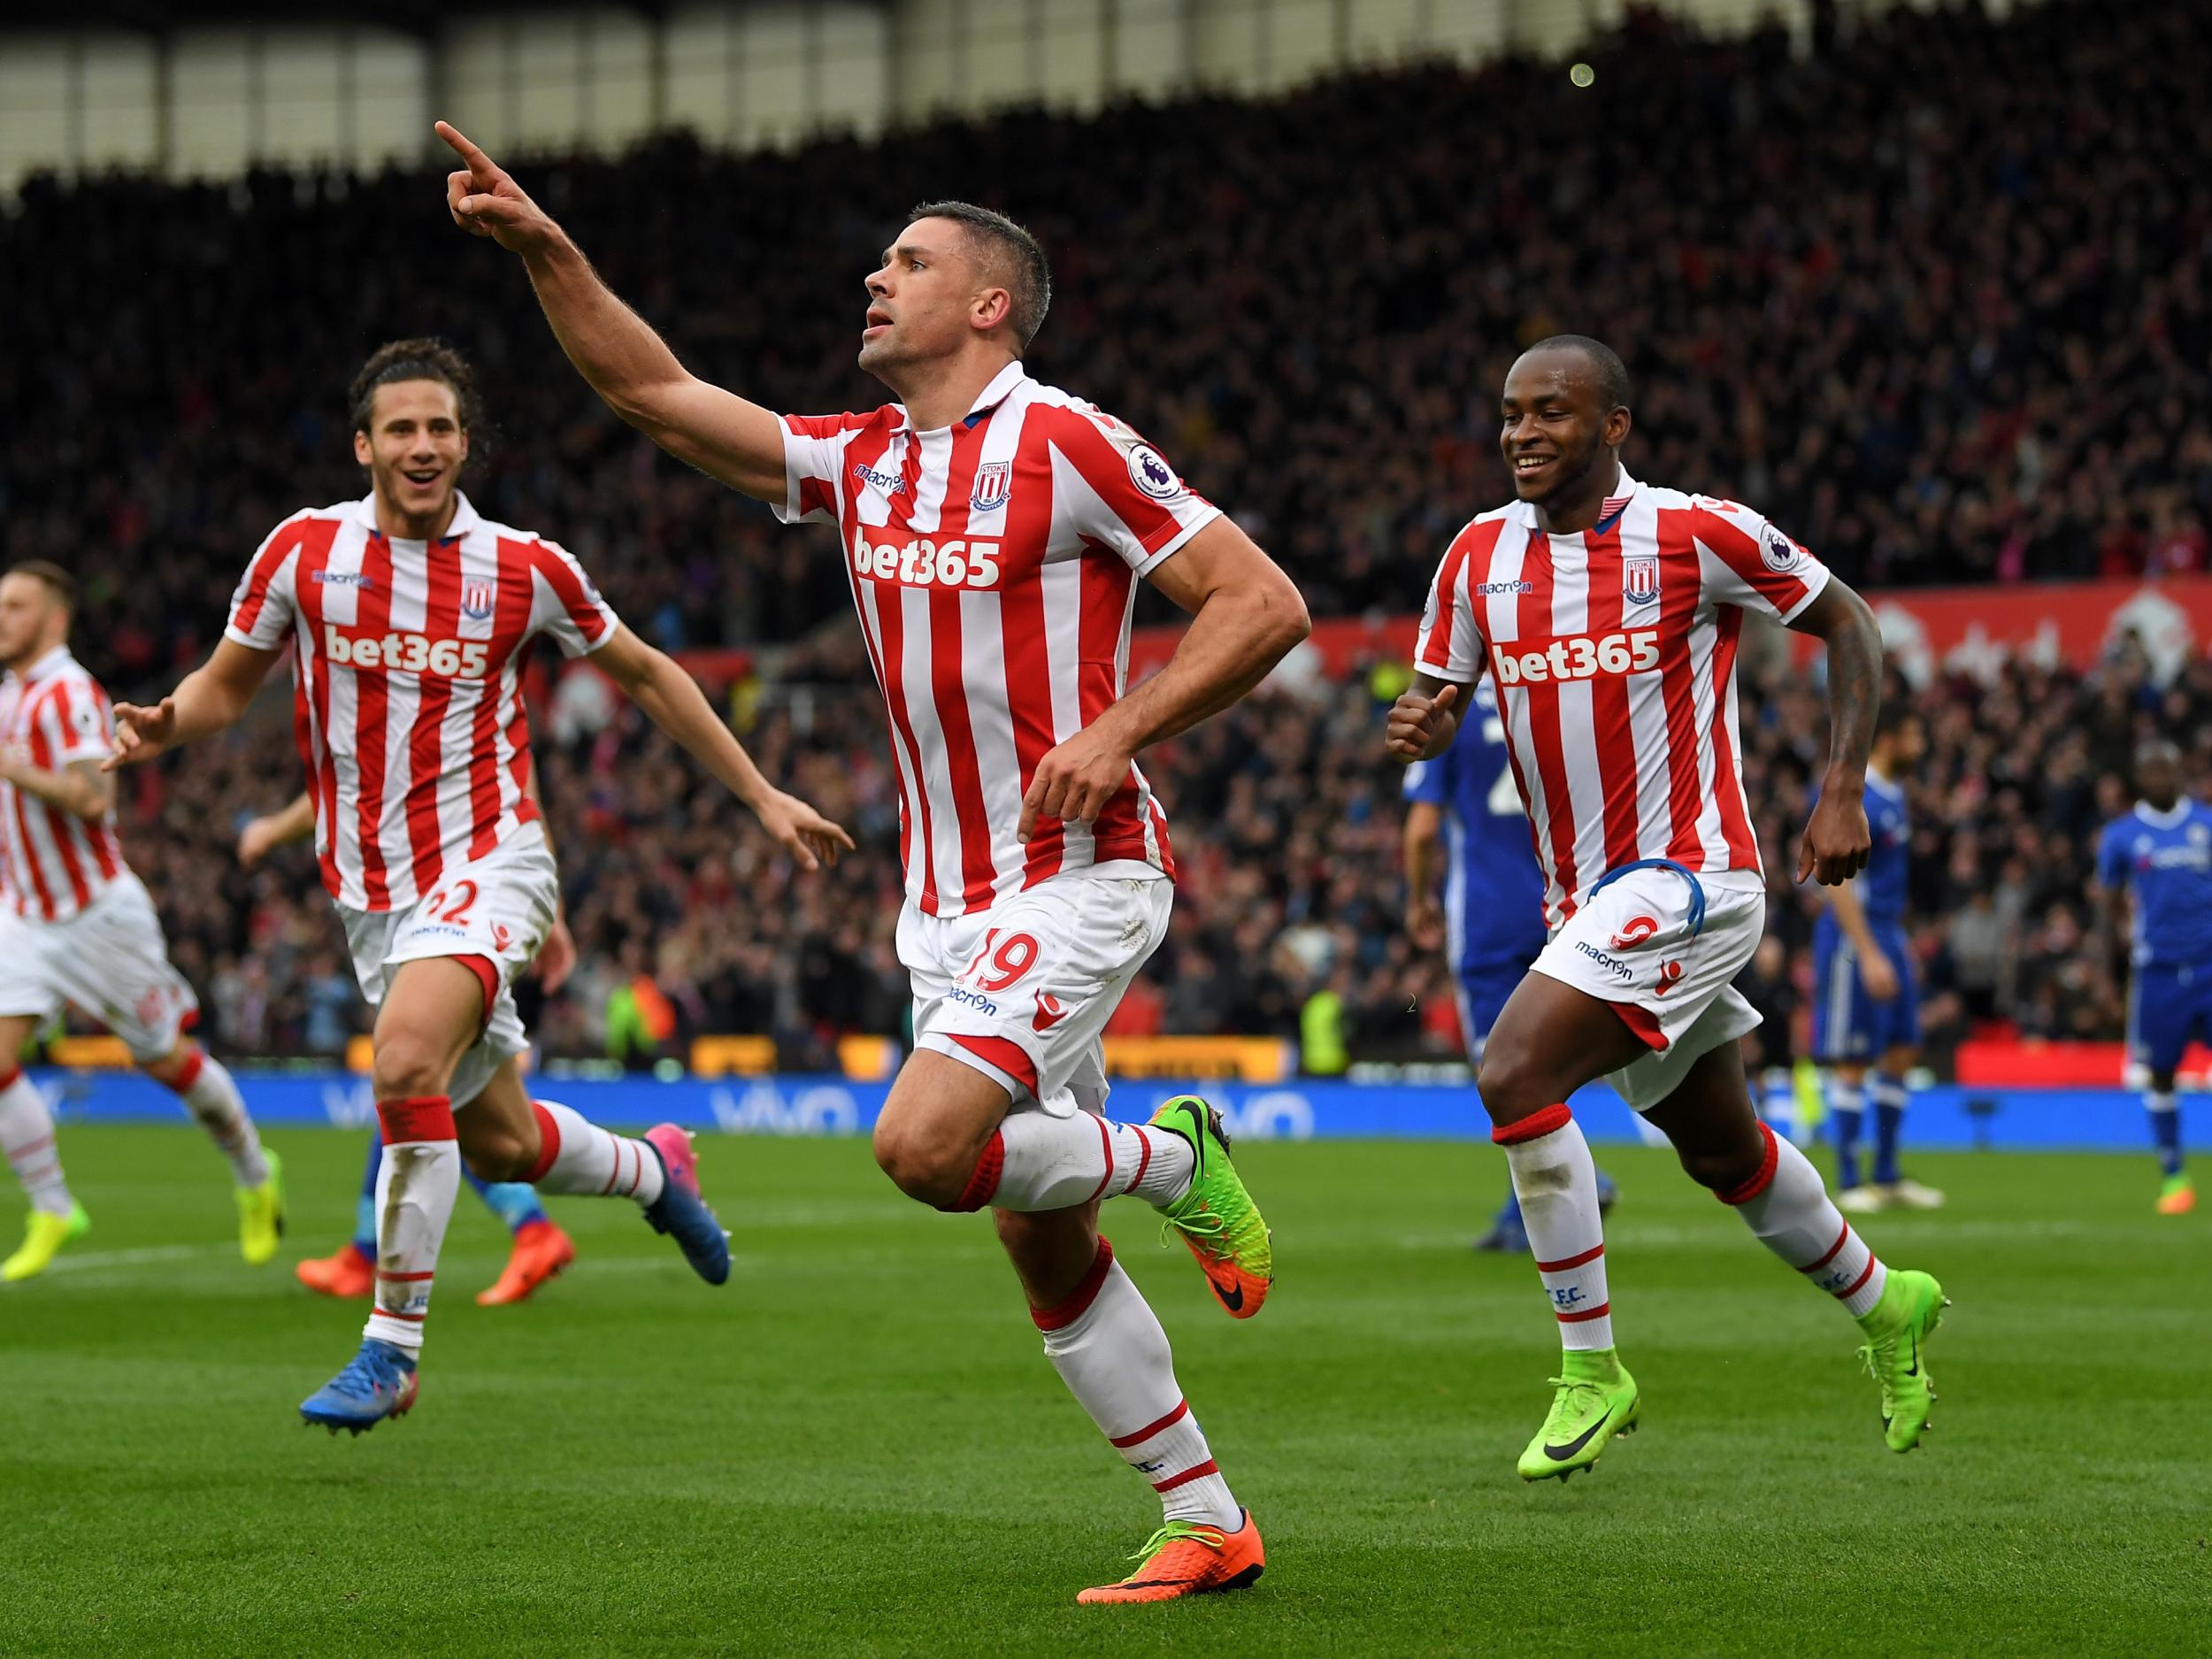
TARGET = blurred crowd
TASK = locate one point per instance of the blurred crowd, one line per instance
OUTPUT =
(1286, 824)
(1932, 295)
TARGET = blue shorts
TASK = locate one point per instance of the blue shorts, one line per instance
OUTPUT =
(1481, 992)
(1847, 1023)
(2167, 1005)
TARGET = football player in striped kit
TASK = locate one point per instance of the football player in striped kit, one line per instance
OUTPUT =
(542, 1247)
(1606, 612)
(406, 614)
(992, 530)
(78, 925)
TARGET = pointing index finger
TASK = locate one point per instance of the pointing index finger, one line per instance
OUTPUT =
(464, 147)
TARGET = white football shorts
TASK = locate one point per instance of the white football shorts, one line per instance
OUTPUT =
(1661, 945)
(1022, 992)
(109, 959)
(499, 908)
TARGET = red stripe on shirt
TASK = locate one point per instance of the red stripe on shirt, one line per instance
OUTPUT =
(282, 542)
(512, 589)
(1735, 817)
(1680, 585)
(891, 625)
(1739, 549)
(1027, 649)
(1613, 725)
(60, 826)
(372, 696)
(1102, 623)
(311, 707)
(948, 679)
(568, 588)
(1532, 620)
(27, 726)
(426, 739)
(1437, 653)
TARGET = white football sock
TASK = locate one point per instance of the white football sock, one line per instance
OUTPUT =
(1108, 1346)
(1037, 1160)
(1558, 1185)
(415, 1189)
(209, 1089)
(576, 1156)
(1787, 1205)
(26, 1135)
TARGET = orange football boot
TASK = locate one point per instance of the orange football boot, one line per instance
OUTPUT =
(1184, 1559)
(542, 1249)
(348, 1273)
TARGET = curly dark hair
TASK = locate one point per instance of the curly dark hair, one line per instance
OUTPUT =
(424, 359)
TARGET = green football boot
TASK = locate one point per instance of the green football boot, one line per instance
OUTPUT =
(1596, 1400)
(1896, 1357)
(1217, 1218)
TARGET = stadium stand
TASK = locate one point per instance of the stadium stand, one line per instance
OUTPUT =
(1980, 356)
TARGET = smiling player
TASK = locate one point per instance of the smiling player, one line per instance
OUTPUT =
(992, 530)
(406, 614)
(1606, 612)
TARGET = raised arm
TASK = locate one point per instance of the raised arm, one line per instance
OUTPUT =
(1245, 615)
(208, 698)
(612, 346)
(1838, 840)
(671, 699)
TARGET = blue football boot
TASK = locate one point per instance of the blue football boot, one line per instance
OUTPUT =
(379, 1382)
(681, 1212)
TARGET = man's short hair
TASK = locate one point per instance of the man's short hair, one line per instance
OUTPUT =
(1018, 258)
(1892, 715)
(58, 581)
(420, 360)
(1612, 372)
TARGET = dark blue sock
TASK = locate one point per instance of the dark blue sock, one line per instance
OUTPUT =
(1511, 1216)
(2164, 1111)
(1889, 1118)
(364, 1212)
(1847, 1106)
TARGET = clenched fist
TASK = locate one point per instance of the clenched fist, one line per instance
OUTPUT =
(1417, 723)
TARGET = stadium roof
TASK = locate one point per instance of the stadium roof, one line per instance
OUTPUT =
(413, 17)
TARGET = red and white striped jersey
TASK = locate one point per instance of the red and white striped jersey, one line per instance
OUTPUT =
(1614, 656)
(994, 565)
(407, 694)
(53, 864)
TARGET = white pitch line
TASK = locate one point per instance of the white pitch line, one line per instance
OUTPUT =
(77, 1264)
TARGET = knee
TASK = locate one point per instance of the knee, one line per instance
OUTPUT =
(169, 1069)
(926, 1167)
(408, 1066)
(1511, 1084)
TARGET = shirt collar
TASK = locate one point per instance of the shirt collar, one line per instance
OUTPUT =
(1625, 489)
(52, 662)
(2167, 819)
(1002, 388)
(466, 518)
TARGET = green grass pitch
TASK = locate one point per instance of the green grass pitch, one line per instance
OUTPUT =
(857, 1446)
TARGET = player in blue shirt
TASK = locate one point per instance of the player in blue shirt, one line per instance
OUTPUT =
(2161, 854)
(1490, 920)
(1866, 1005)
